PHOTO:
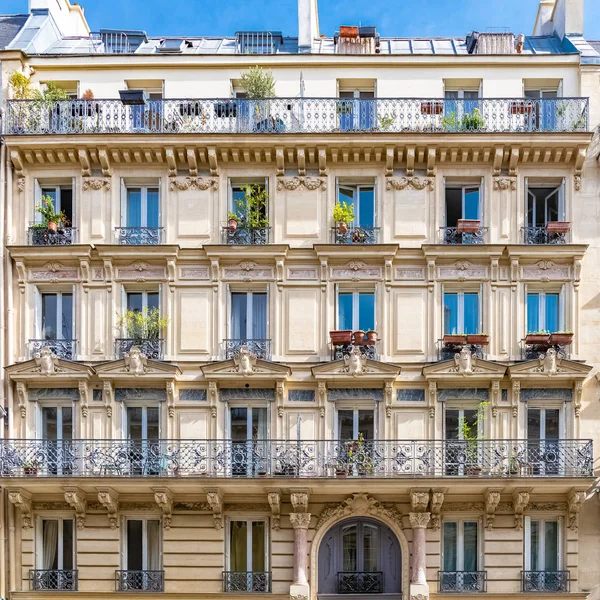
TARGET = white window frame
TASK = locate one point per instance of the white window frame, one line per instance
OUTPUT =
(40, 186)
(249, 520)
(461, 415)
(59, 405)
(542, 307)
(542, 541)
(355, 306)
(39, 326)
(144, 203)
(144, 405)
(552, 188)
(542, 408)
(249, 311)
(39, 539)
(460, 327)
(239, 183)
(124, 540)
(356, 188)
(460, 543)
(463, 187)
(144, 297)
(355, 419)
(249, 406)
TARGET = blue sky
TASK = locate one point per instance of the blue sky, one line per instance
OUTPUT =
(395, 18)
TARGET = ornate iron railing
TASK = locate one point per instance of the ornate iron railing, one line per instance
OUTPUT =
(62, 348)
(465, 582)
(256, 42)
(297, 459)
(449, 351)
(298, 115)
(545, 581)
(260, 348)
(247, 581)
(451, 235)
(42, 236)
(152, 348)
(539, 235)
(138, 236)
(139, 581)
(360, 582)
(355, 235)
(340, 351)
(63, 580)
(246, 236)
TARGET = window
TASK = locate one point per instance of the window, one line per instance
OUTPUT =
(247, 556)
(239, 199)
(462, 202)
(543, 114)
(544, 204)
(457, 420)
(354, 423)
(142, 423)
(141, 301)
(249, 315)
(460, 102)
(248, 432)
(142, 207)
(463, 454)
(363, 198)
(62, 200)
(543, 312)
(142, 559)
(56, 316)
(543, 556)
(56, 556)
(356, 311)
(461, 312)
(357, 109)
(544, 430)
(460, 557)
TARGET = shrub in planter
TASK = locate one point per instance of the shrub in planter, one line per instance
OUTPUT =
(343, 213)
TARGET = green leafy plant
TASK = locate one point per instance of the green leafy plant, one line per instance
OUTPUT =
(343, 212)
(142, 325)
(46, 209)
(51, 93)
(471, 434)
(469, 121)
(258, 83)
(386, 121)
(20, 85)
(359, 456)
(252, 208)
(541, 332)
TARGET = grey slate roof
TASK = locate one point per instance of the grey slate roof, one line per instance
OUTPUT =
(10, 25)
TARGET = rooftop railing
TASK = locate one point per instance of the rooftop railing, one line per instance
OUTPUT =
(482, 459)
(298, 115)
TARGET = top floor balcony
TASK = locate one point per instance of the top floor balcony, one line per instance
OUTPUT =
(297, 115)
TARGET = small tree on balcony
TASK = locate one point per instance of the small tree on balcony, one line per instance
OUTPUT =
(252, 208)
(258, 83)
(142, 325)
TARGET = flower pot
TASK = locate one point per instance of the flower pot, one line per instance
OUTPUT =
(536, 339)
(232, 225)
(359, 337)
(340, 473)
(30, 471)
(468, 225)
(341, 337)
(455, 339)
(474, 471)
(478, 339)
(558, 226)
(520, 107)
(561, 339)
(358, 237)
(52, 226)
(342, 227)
(432, 107)
(348, 31)
(371, 337)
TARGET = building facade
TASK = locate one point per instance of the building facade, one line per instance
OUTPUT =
(401, 404)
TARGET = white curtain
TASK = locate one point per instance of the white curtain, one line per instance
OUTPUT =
(259, 316)
(50, 545)
(153, 533)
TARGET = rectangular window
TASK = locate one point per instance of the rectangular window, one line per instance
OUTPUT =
(356, 311)
(143, 423)
(461, 312)
(57, 316)
(239, 200)
(363, 199)
(62, 201)
(354, 422)
(140, 301)
(57, 549)
(57, 423)
(357, 110)
(248, 554)
(543, 541)
(462, 202)
(544, 204)
(249, 315)
(460, 546)
(142, 548)
(142, 208)
(543, 312)
(543, 424)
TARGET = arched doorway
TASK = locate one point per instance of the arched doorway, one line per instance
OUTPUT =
(359, 556)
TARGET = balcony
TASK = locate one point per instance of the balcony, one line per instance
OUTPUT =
(455, 236)
(246, 236)
(40, 235)
(152, 348)
(538, 343)
(355, 235)
(62, 348)
(479, 459)
(450, 345)
(260, 348)
(298, 115)
(462, 582)
(542, 236)
(53, 580)
(545, 581)
(355, 582)
(138, 236)
(247, 581)
(139, 581)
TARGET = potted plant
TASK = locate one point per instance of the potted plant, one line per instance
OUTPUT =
(342, 337)
(259, 85)
(558, 226)
(468, 225)
(343, 213)
(348, 31)
(359, 337)
(455, 338)
(432, 107)
(232, 221)
(251, 209)
(473, 121)
(52, 219)
(537, 338)
(371, 337)
(31, 467)
(561, 338)
(143, 325)
(471, 435)
(359, 456)
(478, 339)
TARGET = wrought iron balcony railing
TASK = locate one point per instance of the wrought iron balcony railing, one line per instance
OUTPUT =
(339, 351)
(296, 459)
(53, 580)
(360, 582)
(545, 581)
(540, 236)
(260, 348)
(247, 581)
(139, 581)
(449, 351)
(62, 348)
(246, 236)
(42, 236)
(298, 115)
(355, 235)
(153, 348)
(138, 236)
(451, 235)
(464, 582)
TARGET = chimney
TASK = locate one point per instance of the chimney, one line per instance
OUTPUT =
(308, 25)
(562, 17)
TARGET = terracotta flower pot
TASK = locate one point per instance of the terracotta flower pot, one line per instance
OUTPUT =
(52, 226)
(371, 337)
(561, 339)
(232, 224)
(536, 339)
(558, 226)
(342, 227)
(347, 31)
(359, 337)
(455, 339)
(341, 337)
(478, 339)
(468, 226)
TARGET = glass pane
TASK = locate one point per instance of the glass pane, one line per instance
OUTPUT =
(66, 203)
(533, 313)
(239, 303)
(152, 208)
(471, 315)
(259, 316)
(552, 424)
(153, 545)
(470, 546)
(450, 537)
(370, 547)
(238, 546)
(239, 424)
(152, 419)
(50, 193)
(50, 544)
(472, 203)
(152, 300)
(349, 550)
(345, 311)
(259, 423)
(366, 311)
(49, 316)
(135, 301)
(452, 423)
(552, 205)
(258, 546)
(453, 206)
(535, 546)
(134, 207)
(366, 424)
(530, 208)
(533, 424)
(134, 422)
(346, 424)
(67, 423)
(67, 317)
(552, 312)
(451, 94)
(67, 557)
(239, 202)
(540, 208)
(49, 423)
(451, 313)
(347, 195)
(550, 545)
(366, 207)
(134, 544)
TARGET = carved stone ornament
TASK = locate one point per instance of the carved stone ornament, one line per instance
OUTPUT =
(419, 597)
(492, 499)
(419, 520)
(463, 361)
(274, 499)
(215, 501)
(91, 183)
(193, 183)
(360, 504)
(300, 520)
(520, 502)
(355, 363)
(309, 183)
(136, 362)
(574, 500)
(76, 499)
(401, 183)
(437, 499)
(419, 499)
(550, 363)
(245, 362)
(110, 501)
(22, 500)
(47, 362)
(164, 499)
(505, 183)
(298, 597)
(299, 501)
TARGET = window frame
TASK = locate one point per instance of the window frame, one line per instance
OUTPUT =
(460, 546)
(542, 541)
(39, 320)
(460, 326)
(236, 183)
(249, 520)
(463, 186)
(541, 293)
(249, 311)
(144, 188)
(39, 538)
(542, 406)
(355, 188)
(249, 406)
(355, 306)
(356, 407)
(56, 186)
(124, 540)
(144, 405)
(559, 188)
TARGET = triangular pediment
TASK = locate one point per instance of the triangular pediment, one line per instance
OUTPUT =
(549, 366)
(364, 370)
(148, 370)
(54, 369)
(257, 369)
(465, 367)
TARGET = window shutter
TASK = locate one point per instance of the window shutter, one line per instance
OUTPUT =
(336, 308)
(375, 203)
(228, 306)
(561, 201)
(37, 313)
(527, 545)
(562, 325)
(482, 200)
(230, 206)
(480, 308)
(560, 542)
(163, 233)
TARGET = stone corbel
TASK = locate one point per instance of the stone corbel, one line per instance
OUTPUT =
(388, 393)
(322, 157)
(192, 161)
(83, 398)
(108, 398)
(299, 501)
(492, 499)
(213, 393)
(171, 162)
(579, 161)
(274, 499)
(497, 161)
(520, 502)
(215, 501)
(75, 498)
(171, 398)
(495, 397)
(577, 393)
(164, 498)
(21, 275)
(513, 162)
(419, 499)
(437, 499)
(516, 397)
(104, 161)
(84, 161)
(280, 161)
(431, 276)
(410, 160)
(432, 398)
(22, 500)
(110, 500)
(22, 396)
(17, 160)
(212, 161)
(322, 398)
(279, 397)
(431, 156)
(575, 499)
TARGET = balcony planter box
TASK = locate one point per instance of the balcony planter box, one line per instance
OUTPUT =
(359, 337)
(536, 339)
(348, 32)
(561, 339)
(341, 337)
(341, 472)
(432, 107)
(558, 226)
(451, 339)
(521, 107)
(478, 339)
(367, 32)
(473, 471)
(30, 471)
(133, 97)
(468, 225)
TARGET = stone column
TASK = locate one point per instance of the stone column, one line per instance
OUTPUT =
(300, 588)
(418, 580)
